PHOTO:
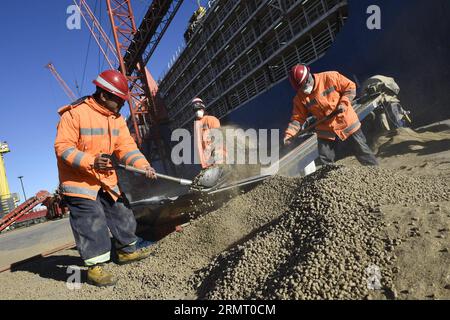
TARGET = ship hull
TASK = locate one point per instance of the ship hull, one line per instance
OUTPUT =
(412, 47)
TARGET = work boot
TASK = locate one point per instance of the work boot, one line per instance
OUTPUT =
(98, 276)
(125, 257)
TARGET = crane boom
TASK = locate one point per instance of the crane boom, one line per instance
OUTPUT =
(131, 48)
(147, 37)
(61, 81)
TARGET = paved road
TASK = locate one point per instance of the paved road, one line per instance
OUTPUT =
(24, 243)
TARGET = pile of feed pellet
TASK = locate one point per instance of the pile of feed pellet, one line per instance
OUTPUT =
(329, 244)
(167, 273)
(320, 237)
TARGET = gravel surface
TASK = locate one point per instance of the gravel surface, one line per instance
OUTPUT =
(329, 244)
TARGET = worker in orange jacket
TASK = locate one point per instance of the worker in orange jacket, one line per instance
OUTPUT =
(319, 95)
(210, 153)
(89, 132)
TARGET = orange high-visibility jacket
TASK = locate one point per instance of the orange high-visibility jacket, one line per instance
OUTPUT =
(331, 89)
(85, 130)
(204, 143)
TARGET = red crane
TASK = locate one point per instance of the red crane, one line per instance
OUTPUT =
(133, 48)
(61, 81)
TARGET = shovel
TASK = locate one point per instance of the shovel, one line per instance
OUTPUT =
(115, 165)
(183, 182)
(205, 182)
(315, 124)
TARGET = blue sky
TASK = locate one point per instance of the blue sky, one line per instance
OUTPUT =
(34, 33)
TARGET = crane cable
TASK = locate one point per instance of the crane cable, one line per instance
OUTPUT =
(107, 49)
(87, 56)
(100, 22)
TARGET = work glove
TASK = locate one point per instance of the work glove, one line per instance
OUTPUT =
(309, 122)
(103, 162)
(150, 172)
(287, 140)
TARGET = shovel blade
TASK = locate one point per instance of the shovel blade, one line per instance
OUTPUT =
(209, 177)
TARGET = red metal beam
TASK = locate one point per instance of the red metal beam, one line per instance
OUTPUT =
(61, 81)
(142, 85)
(123, 27)
(144, 112)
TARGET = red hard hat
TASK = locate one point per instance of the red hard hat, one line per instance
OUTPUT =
(298, 76)
(197, 104)
(114, 82)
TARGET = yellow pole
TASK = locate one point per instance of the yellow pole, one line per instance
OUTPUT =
(4, 187)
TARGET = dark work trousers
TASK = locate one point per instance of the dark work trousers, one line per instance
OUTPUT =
(365, 155)
(90, 221)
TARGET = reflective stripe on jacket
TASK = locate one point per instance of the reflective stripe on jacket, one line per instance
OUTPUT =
(85, 130)
(331, 89)
(208, 154)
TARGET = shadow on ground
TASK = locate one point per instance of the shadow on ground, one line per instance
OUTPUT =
(54, 267)
(419, 148)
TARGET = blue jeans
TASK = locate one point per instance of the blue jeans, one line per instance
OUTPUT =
(91, 222)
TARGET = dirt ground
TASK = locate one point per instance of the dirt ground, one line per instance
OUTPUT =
(384, 235)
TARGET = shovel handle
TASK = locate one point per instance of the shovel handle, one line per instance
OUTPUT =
(183, 182)
(315, 124)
